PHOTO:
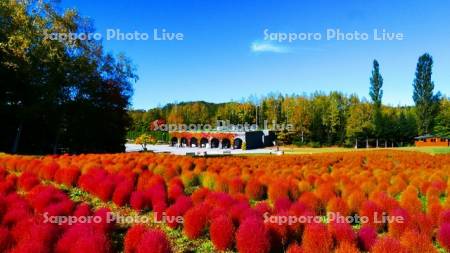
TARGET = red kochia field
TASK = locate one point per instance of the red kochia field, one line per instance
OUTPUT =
(229, 204)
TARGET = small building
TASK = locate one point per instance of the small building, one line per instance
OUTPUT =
(223, 139)
(432, 141)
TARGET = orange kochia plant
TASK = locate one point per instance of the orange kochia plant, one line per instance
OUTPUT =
(223, 195)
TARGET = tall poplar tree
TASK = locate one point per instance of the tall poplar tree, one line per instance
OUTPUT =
(426, 102)
(376, 94)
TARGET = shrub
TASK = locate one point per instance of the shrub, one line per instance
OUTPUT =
(153, 241)
(82, 210)
(144, 180)
(371, 210)
(417, 243)
(18, 210)
(310, 200)
(220, 184)
(423, 224)
(255, 190)
(20, 230)
(238, 211)
(252, 237)
(222, 232)
(42, 197)
(32, 236)
(157, 194)
(411, 202)
(46, 233)
(133, 237)
(294, 248)
(433, 212)
(443, 236)
(217, 212)
(397, 228)
(325, 192)
(48, 171)
(90, 180)
(346, 247)
(338, 206)
(262, 208)
(282, 204)
(105, 226)
(159, 209)
(298, 209)
(3, 206)
(388, 245)
(6, 240)
(199, 195)
(178, 209)
(240, 197)
(317, 239)
(27, 181)
(444, 217)
(105, 189)
(278, 231)
(278, 189)
(236, 186)
(62, 208)
(208, 180)
(195, 221)
(8, 186)
(249, 213)
(83, 238)
(68, 176)
(30, 246)
(3, 173)
(122, 193)
(342, 232)
(189, 179)
(385, 202)
(355, 201)
(367, 237)
(220, 199)
(138, 201)
(175, 189)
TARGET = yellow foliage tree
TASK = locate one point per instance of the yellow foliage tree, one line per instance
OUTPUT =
(144, 140)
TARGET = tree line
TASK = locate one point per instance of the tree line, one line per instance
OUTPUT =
(324, 118)
(59, 95)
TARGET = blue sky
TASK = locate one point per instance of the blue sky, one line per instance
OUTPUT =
(223, 55)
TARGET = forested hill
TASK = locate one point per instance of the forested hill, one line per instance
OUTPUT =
(326, 119)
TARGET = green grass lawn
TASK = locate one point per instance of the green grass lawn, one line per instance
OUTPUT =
(301, 150)
(429, 150)
(305, 150)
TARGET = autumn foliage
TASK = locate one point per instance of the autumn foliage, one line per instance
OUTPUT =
(232, 201)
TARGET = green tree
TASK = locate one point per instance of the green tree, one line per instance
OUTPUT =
(376, 94)
(359, 121)
(144, 140)
(301, 117)
(406, 126)
(442, 126)
(426, 102)
(59, 93)
(376, 84)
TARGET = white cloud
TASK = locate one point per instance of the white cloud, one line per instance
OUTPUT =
(267, 46)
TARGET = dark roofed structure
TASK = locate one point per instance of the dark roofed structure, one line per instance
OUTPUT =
(429, 140)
